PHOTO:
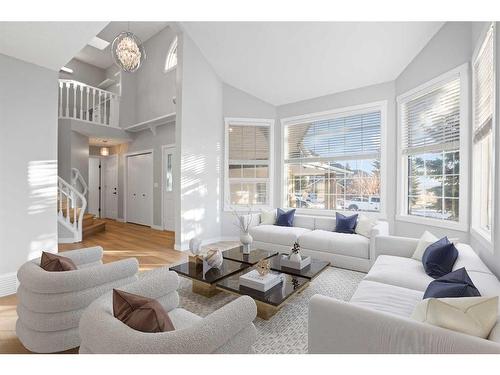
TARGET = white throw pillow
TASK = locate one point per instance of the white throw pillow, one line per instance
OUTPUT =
(268, 217)
(427, 239)
(364, 225)
(474, 316)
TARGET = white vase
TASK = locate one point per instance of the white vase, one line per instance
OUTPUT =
(246, 238)
(295, 257)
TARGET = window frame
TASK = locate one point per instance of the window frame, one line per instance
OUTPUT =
(173, 44)
(483, 236)
(462, 224)
(239, 121)
(327, 115)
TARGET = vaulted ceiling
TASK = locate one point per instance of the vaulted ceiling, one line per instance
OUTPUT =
(285, 62)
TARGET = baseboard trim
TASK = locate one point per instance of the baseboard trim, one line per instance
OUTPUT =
(156, 227)
(66, 240)
(8, 284)
(120, 219)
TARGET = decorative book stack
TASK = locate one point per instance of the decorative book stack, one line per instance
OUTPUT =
(258, 282)
(286, 262)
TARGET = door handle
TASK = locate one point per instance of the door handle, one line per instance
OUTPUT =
(143, 195)
(114, 192)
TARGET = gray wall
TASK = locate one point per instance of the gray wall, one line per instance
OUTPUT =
(83, 72)
(448, 49)
(64, 150)
(80, 154)
(148, 93)
(28, 161)
(199, 140)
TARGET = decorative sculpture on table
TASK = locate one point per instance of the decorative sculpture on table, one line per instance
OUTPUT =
(244, 220)
(295, 254)
(263, 267)
(214, 258)
(195, 249)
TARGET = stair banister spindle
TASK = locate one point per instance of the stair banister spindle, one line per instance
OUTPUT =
(93, 104)
(74, 99)
(67, 99)
(105, 106)
(87, 115)
(67, 208)
(81, 102)
(60, 98)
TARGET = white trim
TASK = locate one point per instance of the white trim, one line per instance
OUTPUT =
(157, 227)
(462, 72)
(325, 115)
(66, 240)
(173, 44)
(8, 283)
(125, 175)
(481, 235)
(120, 219)
(163, 148)
(270, 186)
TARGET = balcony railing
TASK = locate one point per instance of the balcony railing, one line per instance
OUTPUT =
(86, 103)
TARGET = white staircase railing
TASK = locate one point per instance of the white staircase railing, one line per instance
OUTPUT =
(71, 206)
(86, 103)
(78, 180)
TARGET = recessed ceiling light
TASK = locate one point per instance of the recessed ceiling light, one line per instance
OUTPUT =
(66, 70)
(98, 43)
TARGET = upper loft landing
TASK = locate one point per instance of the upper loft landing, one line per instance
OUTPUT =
(79, 101)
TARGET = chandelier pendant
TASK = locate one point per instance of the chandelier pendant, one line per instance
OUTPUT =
(128, 51)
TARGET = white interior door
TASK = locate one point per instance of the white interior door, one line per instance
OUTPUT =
(168, 188)
(109, 186)
(94, 184)
(139, 188)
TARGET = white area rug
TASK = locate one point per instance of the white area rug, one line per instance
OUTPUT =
(286, 332)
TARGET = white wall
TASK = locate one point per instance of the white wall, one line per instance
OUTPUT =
(83, 72)
(199, 130)
(448, 49)
(28, 161)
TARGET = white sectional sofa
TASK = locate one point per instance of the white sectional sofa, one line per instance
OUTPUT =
(316, 237)
(377, 318)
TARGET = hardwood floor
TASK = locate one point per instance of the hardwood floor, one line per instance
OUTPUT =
(152, 249)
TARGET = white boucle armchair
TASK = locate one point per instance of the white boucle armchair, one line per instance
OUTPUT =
(227, 330)
(50, 304)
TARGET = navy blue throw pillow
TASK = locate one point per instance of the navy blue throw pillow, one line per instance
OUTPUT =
(439, 258)
(285, 219)
(345, 224)
(454, 284)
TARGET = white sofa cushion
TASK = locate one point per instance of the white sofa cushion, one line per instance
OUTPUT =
(468, 258)
(474, 316)
(403, 272)
(268, 217)
(365, 225)
(425, 240)
(303, 221)
(387, 298)
(182, 318)
(353, 245)
(325, 223)
(277, 235)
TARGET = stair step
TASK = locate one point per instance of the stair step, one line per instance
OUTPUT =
(96, 227)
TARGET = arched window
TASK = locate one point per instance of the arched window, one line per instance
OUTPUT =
(171, 62)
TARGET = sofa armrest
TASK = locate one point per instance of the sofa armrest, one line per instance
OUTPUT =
(341, 327)
(84, 256)
(37, 280)
(395, 245)
(380, 229)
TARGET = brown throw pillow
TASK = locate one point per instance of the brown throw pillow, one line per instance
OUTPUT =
(55, 263)
(140, 313)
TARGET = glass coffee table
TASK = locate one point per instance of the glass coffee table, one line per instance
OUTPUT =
(309, 272)
(204, 278)
(269, 302)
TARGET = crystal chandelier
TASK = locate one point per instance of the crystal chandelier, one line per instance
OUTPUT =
(128, 51)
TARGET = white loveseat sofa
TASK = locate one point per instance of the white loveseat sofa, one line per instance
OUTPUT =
(377, 318)
(316, 237)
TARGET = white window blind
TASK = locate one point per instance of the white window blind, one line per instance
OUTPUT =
(431, 122)
(353, 135)
(248, 164)
(483, 88)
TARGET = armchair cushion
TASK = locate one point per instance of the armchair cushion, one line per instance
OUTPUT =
(140, 313)
(56, 263)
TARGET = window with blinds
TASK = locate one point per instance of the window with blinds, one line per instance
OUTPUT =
(430, 123)
(333, 162)
(483, 81)
(248, 155)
